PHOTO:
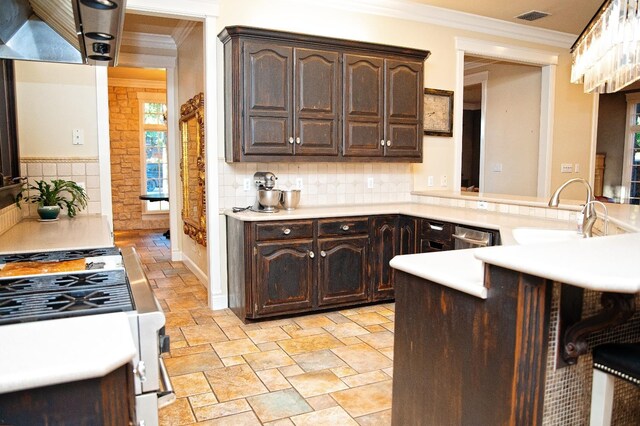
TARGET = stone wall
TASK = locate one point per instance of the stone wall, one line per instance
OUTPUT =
(124, 133)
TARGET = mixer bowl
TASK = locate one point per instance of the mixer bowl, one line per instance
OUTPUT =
(290, 199)
(269, 198)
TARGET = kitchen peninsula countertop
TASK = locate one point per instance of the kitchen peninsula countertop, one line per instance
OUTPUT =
(80, 232)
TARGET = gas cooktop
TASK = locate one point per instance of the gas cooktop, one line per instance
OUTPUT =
(61, 295)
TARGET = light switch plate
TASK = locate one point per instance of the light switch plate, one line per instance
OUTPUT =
(370, 183)
(430, 181)
(246, 184)
(566, 168)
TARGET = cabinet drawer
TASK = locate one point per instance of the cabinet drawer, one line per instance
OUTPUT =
(344, 226)
(436, 230)
(427, 246)
(284, 230)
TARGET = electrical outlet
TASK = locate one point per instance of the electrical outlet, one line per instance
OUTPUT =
(443, 180)
(496, 167)
(576, 168)
(77, 137)
(246, 184)
(430, 181)
(299, 183)
(482, 205)
(566, 168)
(370, 183)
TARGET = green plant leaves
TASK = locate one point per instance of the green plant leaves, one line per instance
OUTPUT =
(59, 192)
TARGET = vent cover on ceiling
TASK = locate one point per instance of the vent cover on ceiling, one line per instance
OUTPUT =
(533, 15)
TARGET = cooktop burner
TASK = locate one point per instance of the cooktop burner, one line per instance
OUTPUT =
(51, 256)
(51, 296)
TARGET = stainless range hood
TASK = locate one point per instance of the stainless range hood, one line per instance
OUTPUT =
(70, 31)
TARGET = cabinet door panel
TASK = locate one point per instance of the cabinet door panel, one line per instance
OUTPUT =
(284, 276)
(268, 98)
(342, 270)
(385, 246)
(408, 238)
(363, 106)
(404, 87)
(318, 99)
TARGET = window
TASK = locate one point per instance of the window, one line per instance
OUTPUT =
(631, 168)
(153, 147)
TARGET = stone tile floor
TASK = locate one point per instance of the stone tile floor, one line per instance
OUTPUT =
(332, 369)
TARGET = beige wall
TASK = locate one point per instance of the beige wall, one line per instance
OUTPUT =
(572, 133)
(512, 128)
(52, 100)
(191, 82)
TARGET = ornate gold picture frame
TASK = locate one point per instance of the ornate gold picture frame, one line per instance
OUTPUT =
(192, 169)
(438, 112)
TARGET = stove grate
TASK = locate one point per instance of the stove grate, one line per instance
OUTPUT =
(51, 256)
(45, 283)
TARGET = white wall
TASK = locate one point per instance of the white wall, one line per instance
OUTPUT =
(52, 100)
(512, 129)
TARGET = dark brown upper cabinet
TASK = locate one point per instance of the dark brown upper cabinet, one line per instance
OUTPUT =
(295, 97)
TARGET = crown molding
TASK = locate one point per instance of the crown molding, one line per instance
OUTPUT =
(403, 9)
(138, 83)
(182, 31)
(149, 41)
(172, 8)
(492, 49)
(146, 61)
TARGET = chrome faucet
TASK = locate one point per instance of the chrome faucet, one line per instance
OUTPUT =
(588, 211)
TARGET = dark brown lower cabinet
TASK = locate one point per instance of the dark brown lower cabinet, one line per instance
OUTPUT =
(385, 245)
(342, 270)
(107, 400)
(284, 272)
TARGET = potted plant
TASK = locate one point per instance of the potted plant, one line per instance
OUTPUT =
(52, 196)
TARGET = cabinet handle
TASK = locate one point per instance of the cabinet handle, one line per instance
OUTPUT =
(323, 253)
(298, 140)
(291, 140)
(382, 142)
(436, 227)
(141, 371)
(287, 231)
(312, 254)
(388, 143)
(345, 227)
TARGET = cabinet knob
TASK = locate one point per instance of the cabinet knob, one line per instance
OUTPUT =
(345, 227)
(298, 140)
(312, 254)
(287, 231)
(291, 140)
(388, 143)
(382, 142)
(323, 253)
(141, 371)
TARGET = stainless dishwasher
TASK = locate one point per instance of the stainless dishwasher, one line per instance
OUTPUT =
(471, 238)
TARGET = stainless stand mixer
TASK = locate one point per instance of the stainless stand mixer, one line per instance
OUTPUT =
(267, 198)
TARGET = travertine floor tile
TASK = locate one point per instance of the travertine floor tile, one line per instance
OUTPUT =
(272, 334)
(366, 399)
(183, 302)
(369, 318)
(203, 400)
(383, 339)
(178, 413)
(192, 363)
(365, 378)
(273, 379)
(190, 384)
(234, 332)
(278, 405)
(347, 329)
(233, 360)
(234, 382)
(328, 417)
(309, 344)
(321, 402)
(222, 409)
(235, 347)
(316, 383)
(281, 422)
(270, 359)
(319, 360)
(313, 321)
(242, 419)
(362, 357)
(201, 334)
(382, 418)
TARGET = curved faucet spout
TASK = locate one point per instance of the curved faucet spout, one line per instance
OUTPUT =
(589, 212)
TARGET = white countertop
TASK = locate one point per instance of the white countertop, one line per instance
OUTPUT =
(80, 232)
(65, 350)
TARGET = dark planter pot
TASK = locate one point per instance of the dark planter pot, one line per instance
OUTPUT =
(48, 212)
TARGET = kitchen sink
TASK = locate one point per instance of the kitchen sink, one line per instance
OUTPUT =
(526, 236)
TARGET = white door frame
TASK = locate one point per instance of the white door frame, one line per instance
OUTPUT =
(479, 78)
(547, 61)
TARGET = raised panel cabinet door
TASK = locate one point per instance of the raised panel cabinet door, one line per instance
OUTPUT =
(407, 227)
(385, 245)
(284, 277)
(317, 102)
(342, 270)
(363, 106)
(268, 99)
(404, 106)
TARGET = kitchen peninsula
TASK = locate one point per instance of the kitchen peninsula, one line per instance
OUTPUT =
(485, 338)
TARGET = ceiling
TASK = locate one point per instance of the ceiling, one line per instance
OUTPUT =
(569, 16)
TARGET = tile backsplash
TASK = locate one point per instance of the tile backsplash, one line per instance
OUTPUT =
(81, 170)
(323, 184)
